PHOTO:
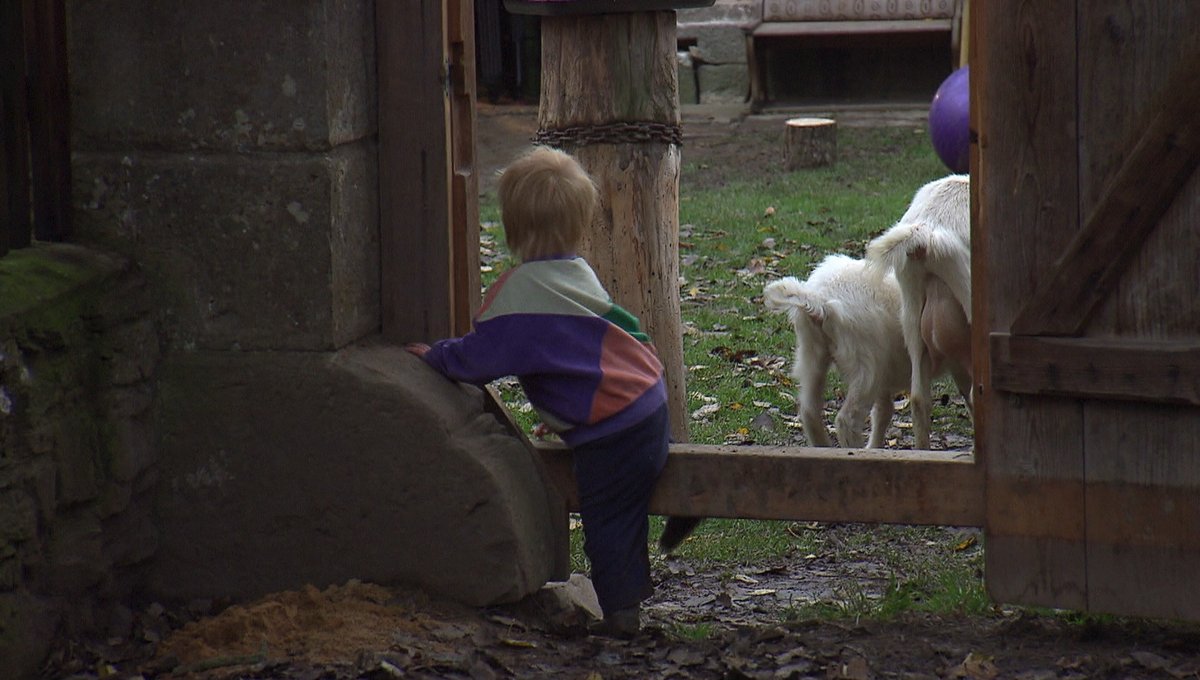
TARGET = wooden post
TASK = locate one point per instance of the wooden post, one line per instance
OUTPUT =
(610, 97)
(810, 143)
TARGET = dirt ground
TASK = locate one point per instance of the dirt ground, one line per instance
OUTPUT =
(701, 623)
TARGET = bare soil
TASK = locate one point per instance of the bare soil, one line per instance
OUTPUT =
(726, 622)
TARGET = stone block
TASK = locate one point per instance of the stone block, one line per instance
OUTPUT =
(133, 449)
(221, 75)
(286, 469)
(134, 352)
(75, 563)
(27, 629)
(724, 83)
(687, 80)
(716, 44)
(276, 251)
(721, 12)
(18, 516)
(74, 436)
(130, 538)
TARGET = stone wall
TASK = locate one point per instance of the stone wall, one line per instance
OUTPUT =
(79, 351)
(714, 70)
(229, 145)
(228, 149)
(208, 411)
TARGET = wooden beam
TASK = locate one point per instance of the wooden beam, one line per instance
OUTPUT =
(1097, 368)
(810, 484)
(414, 175)
(464, 179)
(49, 120)
(17, 222)
(1158, 164)
(787, 29)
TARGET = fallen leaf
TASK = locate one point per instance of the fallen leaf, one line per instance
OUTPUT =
(854, 669)
(1149, 660)
(975, 667)
(745, 579)
(705, 411)
(763, 421)
(518, 644)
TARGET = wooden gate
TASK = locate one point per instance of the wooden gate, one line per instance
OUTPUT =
(1087, 274)
(428, 186)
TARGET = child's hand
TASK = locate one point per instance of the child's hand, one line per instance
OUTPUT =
(417, 348)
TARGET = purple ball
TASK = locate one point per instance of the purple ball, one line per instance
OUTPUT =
(950, 121)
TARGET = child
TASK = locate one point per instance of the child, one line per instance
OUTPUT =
(584, 364)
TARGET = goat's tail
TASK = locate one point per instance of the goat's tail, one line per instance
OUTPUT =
(907, 241)
(676, 531)
(789, 296)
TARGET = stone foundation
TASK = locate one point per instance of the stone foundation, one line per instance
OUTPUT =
(79, 352)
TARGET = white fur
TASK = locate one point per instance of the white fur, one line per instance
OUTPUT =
(929, 252)
(844, 316)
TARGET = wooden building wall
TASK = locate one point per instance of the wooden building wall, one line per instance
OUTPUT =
(1087, 273)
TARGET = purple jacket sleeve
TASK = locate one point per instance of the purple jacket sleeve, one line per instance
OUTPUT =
(483, 355)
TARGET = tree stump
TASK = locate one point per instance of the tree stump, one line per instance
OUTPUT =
(810, 143)
(610, 97)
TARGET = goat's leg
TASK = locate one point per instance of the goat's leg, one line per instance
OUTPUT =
(810, 377)
(920, 398)
(962, 380)
(851, 418)
(881, 417)
(912, 307)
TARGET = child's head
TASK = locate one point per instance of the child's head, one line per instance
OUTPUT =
(546, 201)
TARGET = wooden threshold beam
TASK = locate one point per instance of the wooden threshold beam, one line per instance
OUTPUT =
(807, 484)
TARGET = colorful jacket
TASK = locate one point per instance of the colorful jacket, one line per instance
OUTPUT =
(583, 361)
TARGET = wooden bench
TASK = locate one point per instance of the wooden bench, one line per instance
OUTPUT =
(825, 21)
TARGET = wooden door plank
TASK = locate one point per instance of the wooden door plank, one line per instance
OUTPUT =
(414, 182)
(1097, 368)
(49, 121)
(1163, 157)
(14, 129)
(1143, 517)
(1142, 460)
(464, 183)
(1028, 211)
(803, 483)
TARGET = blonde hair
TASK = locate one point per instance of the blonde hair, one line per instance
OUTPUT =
(547, 199)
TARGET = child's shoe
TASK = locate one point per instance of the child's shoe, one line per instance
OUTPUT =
(622, 624)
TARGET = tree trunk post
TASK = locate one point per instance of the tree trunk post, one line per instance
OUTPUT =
(810, 143)
(610, 97)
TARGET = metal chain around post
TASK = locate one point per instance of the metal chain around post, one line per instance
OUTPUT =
(611, 133)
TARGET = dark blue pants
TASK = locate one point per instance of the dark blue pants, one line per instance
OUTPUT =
(616, 475)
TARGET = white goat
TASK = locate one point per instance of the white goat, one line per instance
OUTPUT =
(929, 251)
(845, 316)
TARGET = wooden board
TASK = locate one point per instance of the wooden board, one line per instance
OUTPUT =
(1089, 202)
(810, 484)
(465, 293)
(416, 296)
(1139, 64)
(772, 29)
(1027, 148)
